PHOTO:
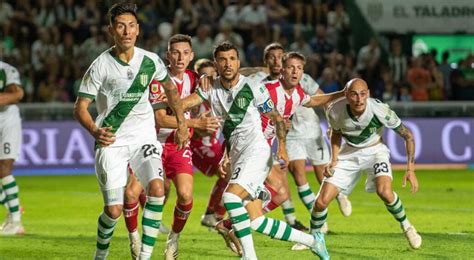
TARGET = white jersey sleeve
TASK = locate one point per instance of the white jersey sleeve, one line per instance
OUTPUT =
(12, 76)
(385, 114)
(308, 84)
(262, 99)
(92, 81)
(161, 71)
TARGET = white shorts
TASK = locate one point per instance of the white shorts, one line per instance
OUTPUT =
(316, 150)
(10, 138)
(251, 168)
(351, 162)
(111, 166)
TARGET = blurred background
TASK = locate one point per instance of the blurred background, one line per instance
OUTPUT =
(415, 55)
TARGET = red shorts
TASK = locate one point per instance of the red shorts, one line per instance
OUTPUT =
(206, 157)
(176, 161)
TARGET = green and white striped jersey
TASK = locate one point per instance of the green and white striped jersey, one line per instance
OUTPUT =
(121, 93)
(241, 108)
(8, 75)
(365, 130)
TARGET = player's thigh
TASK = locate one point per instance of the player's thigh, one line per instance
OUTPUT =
(377, 164)
(251, 168)
(184, 187)
(318, 151)
(10, 139)
(146, 162)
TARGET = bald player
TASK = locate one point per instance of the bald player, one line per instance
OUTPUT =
(360, 120)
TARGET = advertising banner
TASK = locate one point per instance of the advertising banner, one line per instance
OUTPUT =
(420, 16)
(66, 148)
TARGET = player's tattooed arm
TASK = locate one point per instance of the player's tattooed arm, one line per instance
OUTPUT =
(407, 135)
(174, 102)
(324, 99)
(281, 135)
(192, 100)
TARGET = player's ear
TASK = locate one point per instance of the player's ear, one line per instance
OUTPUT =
(191, 57)
(138, 29)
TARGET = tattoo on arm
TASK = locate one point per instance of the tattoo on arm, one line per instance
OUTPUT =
(407, 135)
(279, 125)
(174, 101)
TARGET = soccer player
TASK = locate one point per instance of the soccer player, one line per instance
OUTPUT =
(241, 101)
(207, 153)
(124, 130)
(11, 93)
(360, 120)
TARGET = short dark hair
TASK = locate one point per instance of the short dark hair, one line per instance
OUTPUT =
(293, 55)
(122, 8)
(203, 63)
(179, 38)
(270, 47)
(225, 46)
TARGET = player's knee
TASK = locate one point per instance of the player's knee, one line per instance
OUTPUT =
(113, 211)
(156, 189)
(185, 196)
(5, 168)
(130, 195)
(385, 193)
(321, 203)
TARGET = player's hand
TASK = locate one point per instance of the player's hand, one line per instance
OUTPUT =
(181, 137)
(224, 168)
(282, 158)
(104, 136)
(287, 122)
(205, 82)
(209, 123)
(411, 177)
(329, 169)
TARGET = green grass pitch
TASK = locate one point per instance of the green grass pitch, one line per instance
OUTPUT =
(61, 213)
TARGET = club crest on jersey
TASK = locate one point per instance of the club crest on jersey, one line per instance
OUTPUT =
(143, 80)
(154, 88)
(241, 102)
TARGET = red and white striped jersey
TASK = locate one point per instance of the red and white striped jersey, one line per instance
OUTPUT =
(285, 103)
(186, 87)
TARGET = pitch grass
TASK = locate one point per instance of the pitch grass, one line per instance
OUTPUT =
(61, 213)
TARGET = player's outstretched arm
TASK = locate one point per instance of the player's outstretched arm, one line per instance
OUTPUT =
(335, 138)
(203, 121)
(281, 135)
(318, 100)
(104, 135)
(192, 100)
(174, 102)
(407, 135)
(12, 95)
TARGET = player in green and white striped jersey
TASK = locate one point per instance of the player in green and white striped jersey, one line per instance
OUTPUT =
(10, 142)
(360, 120)
(240, 101)
(125, 128)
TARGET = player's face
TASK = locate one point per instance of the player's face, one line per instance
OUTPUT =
(228, 64)
(210, 71)
(292, 71)
(357, 96)
(180, 55)
(124, 31)
(273, 61)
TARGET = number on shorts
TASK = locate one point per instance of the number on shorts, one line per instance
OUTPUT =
(322, 152)
(149, 149)
(160, 172)
(6, 148)
(380, 167)
(235, 175)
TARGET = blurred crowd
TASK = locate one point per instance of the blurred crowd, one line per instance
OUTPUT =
(52, 43)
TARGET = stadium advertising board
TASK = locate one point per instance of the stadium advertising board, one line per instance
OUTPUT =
(66, 148)
(421, 16)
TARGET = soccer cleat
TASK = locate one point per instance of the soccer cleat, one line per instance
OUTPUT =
(414, 239)
(171, 251)
(299, 226)
(209, 220)
(325, 228)
(345, 205)
(319, 246)
(9, 219)
(135, 244)
(101, 254)
(230, 239)
(299, 247)
(13, 228)
(164, 229)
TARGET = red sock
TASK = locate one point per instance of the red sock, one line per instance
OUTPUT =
(227, 223)
(130, 213)
(216, 195)
(272, 204)
(220, 211)
(181, 214)
(142, 198)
